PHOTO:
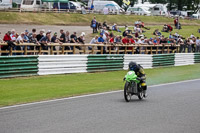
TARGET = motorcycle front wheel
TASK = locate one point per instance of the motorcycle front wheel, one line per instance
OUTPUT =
(127, 92)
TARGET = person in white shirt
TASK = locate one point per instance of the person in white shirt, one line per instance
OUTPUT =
(93, 41)
(13, 36)
(197, 44)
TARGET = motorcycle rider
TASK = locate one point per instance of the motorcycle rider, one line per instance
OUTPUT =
(139, 71)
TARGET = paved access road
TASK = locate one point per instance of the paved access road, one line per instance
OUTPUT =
(173, 108)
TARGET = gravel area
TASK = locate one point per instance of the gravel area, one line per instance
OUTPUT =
(22, 27)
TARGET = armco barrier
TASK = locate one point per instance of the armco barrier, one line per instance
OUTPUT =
(144, 60)
(60, 64)
(14, 66)
(184, 59)
(197, 58)
(163, 60)
(105, 63)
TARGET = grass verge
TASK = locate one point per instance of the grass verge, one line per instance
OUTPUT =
(30, 89)
(80, 19)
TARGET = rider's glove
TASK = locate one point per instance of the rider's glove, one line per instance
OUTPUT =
(124, 79)
(138, 78)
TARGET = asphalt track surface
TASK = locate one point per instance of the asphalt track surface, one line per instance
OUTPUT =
(171, 108)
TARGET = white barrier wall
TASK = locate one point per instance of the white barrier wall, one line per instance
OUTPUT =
(60, 64)
(146, 61)
(184, 59)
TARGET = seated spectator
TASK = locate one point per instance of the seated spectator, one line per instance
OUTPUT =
(167, 28)
(157, 33)
(106, 26)
(150, 41)
(115, 28)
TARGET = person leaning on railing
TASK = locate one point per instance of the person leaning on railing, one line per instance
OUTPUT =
(45, 40)
(9, 41)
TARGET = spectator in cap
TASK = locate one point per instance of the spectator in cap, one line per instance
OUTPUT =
(26, 39)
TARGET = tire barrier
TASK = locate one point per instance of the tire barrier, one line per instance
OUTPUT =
(98, 63)
(144, 60)
(184, 59)
(14, 66)
(163, 60)
(197, 58)
(61, 64)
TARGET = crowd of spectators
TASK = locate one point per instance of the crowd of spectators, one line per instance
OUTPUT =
(40, 39)
(131, 35)
(135, 36)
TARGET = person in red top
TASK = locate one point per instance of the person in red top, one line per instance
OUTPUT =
(125, 40)
(6, 38)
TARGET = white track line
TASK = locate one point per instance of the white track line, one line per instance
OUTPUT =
(89, 95)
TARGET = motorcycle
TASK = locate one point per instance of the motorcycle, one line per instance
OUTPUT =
(132, 86)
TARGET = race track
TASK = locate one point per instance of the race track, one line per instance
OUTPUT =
(172, 108)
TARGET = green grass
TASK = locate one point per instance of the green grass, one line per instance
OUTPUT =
(80, 19)
(30, 89)
(186, 31)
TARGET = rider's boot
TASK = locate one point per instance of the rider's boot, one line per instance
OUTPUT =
(145, 91)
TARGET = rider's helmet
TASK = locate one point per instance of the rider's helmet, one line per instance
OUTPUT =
(132, 66)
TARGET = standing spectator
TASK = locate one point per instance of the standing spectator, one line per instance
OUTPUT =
(31, 34)
(54, 39)
(117, 40)
(197, 44)
(13, 36)
(62, 36)
(7, 39)
(45, 40)
(101, 41)
(125, 40)
(81, 39)
(176, 23)
(26, 39)
(1, 40)
(39, 36)
(94, 25)
(67, 37)
(93, 41)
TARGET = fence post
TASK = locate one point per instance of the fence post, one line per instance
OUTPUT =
(133, 50)
(125, 52)
(25, 50)
(109, 49)
(40, 50)
(92, 49)
(51, 52)
(151, 49)
(11, 50)
(74, 51)
(101, 49)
